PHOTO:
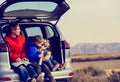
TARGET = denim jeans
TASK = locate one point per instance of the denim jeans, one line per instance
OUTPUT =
(31, 71)
(37, 67)
(25, 72)
(50, 63)
(42, 68)
(46, 70)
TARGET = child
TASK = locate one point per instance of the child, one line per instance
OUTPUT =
(34, 54)
(48, 58)
(43, 47)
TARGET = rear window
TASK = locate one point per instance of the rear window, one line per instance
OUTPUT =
(45, 6)
(49, 32)
(33, 31)
(42, 30)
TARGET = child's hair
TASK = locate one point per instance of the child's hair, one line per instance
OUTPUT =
(38, 39)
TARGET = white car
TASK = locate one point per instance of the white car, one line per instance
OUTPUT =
(36, 17)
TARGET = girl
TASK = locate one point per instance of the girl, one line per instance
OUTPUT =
(16, 43)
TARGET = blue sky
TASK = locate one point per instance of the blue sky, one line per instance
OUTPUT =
(91, 21)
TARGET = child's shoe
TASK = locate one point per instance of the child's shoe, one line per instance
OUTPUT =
(62, 66)
(40, 78)
(55, 67)
(31, 80)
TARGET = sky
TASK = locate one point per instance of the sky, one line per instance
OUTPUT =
(91, 21)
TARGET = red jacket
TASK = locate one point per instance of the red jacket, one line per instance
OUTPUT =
(16, 47)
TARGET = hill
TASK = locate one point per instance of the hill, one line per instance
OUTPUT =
(95, 48)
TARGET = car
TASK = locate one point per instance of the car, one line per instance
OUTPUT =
(36, 17)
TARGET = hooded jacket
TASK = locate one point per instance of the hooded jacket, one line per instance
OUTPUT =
(33, 52)
(16, 47)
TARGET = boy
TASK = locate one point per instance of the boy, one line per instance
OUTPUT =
(34, 54)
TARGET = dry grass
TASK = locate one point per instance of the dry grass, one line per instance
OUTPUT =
(92, 74)
(92, 57)
(114, 77)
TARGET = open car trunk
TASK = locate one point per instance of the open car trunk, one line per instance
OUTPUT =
(47, 32)
(44, 10)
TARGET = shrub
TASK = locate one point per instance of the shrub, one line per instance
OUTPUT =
(90, 74)
(115, 77)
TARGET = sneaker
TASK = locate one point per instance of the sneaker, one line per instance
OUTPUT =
(62, 66)
(31, 80)
(55, 67)
(40, 78)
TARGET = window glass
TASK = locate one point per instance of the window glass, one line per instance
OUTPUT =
(1, 39)
(49, 31)
(46, 6)
(3, 47)
(33, 31)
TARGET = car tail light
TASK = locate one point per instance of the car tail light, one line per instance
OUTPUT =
(5, 79)
(3, 47)
(71, 74)
(66, 45)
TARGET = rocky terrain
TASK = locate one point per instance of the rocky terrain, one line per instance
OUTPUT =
(95, 48)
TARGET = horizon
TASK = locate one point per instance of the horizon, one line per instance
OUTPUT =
(96, 43)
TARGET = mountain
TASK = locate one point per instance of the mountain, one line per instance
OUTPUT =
(95, 48)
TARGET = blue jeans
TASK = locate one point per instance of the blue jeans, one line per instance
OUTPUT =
(51, 63)
(46, 70)
(25, 72)
(42, 68)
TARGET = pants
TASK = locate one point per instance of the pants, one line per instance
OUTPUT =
(50, 63)
(25, 72)
(42, 68)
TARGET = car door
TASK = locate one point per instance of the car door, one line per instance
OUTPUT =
(51, 11)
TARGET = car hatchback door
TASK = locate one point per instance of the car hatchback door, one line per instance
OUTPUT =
(44, 10)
